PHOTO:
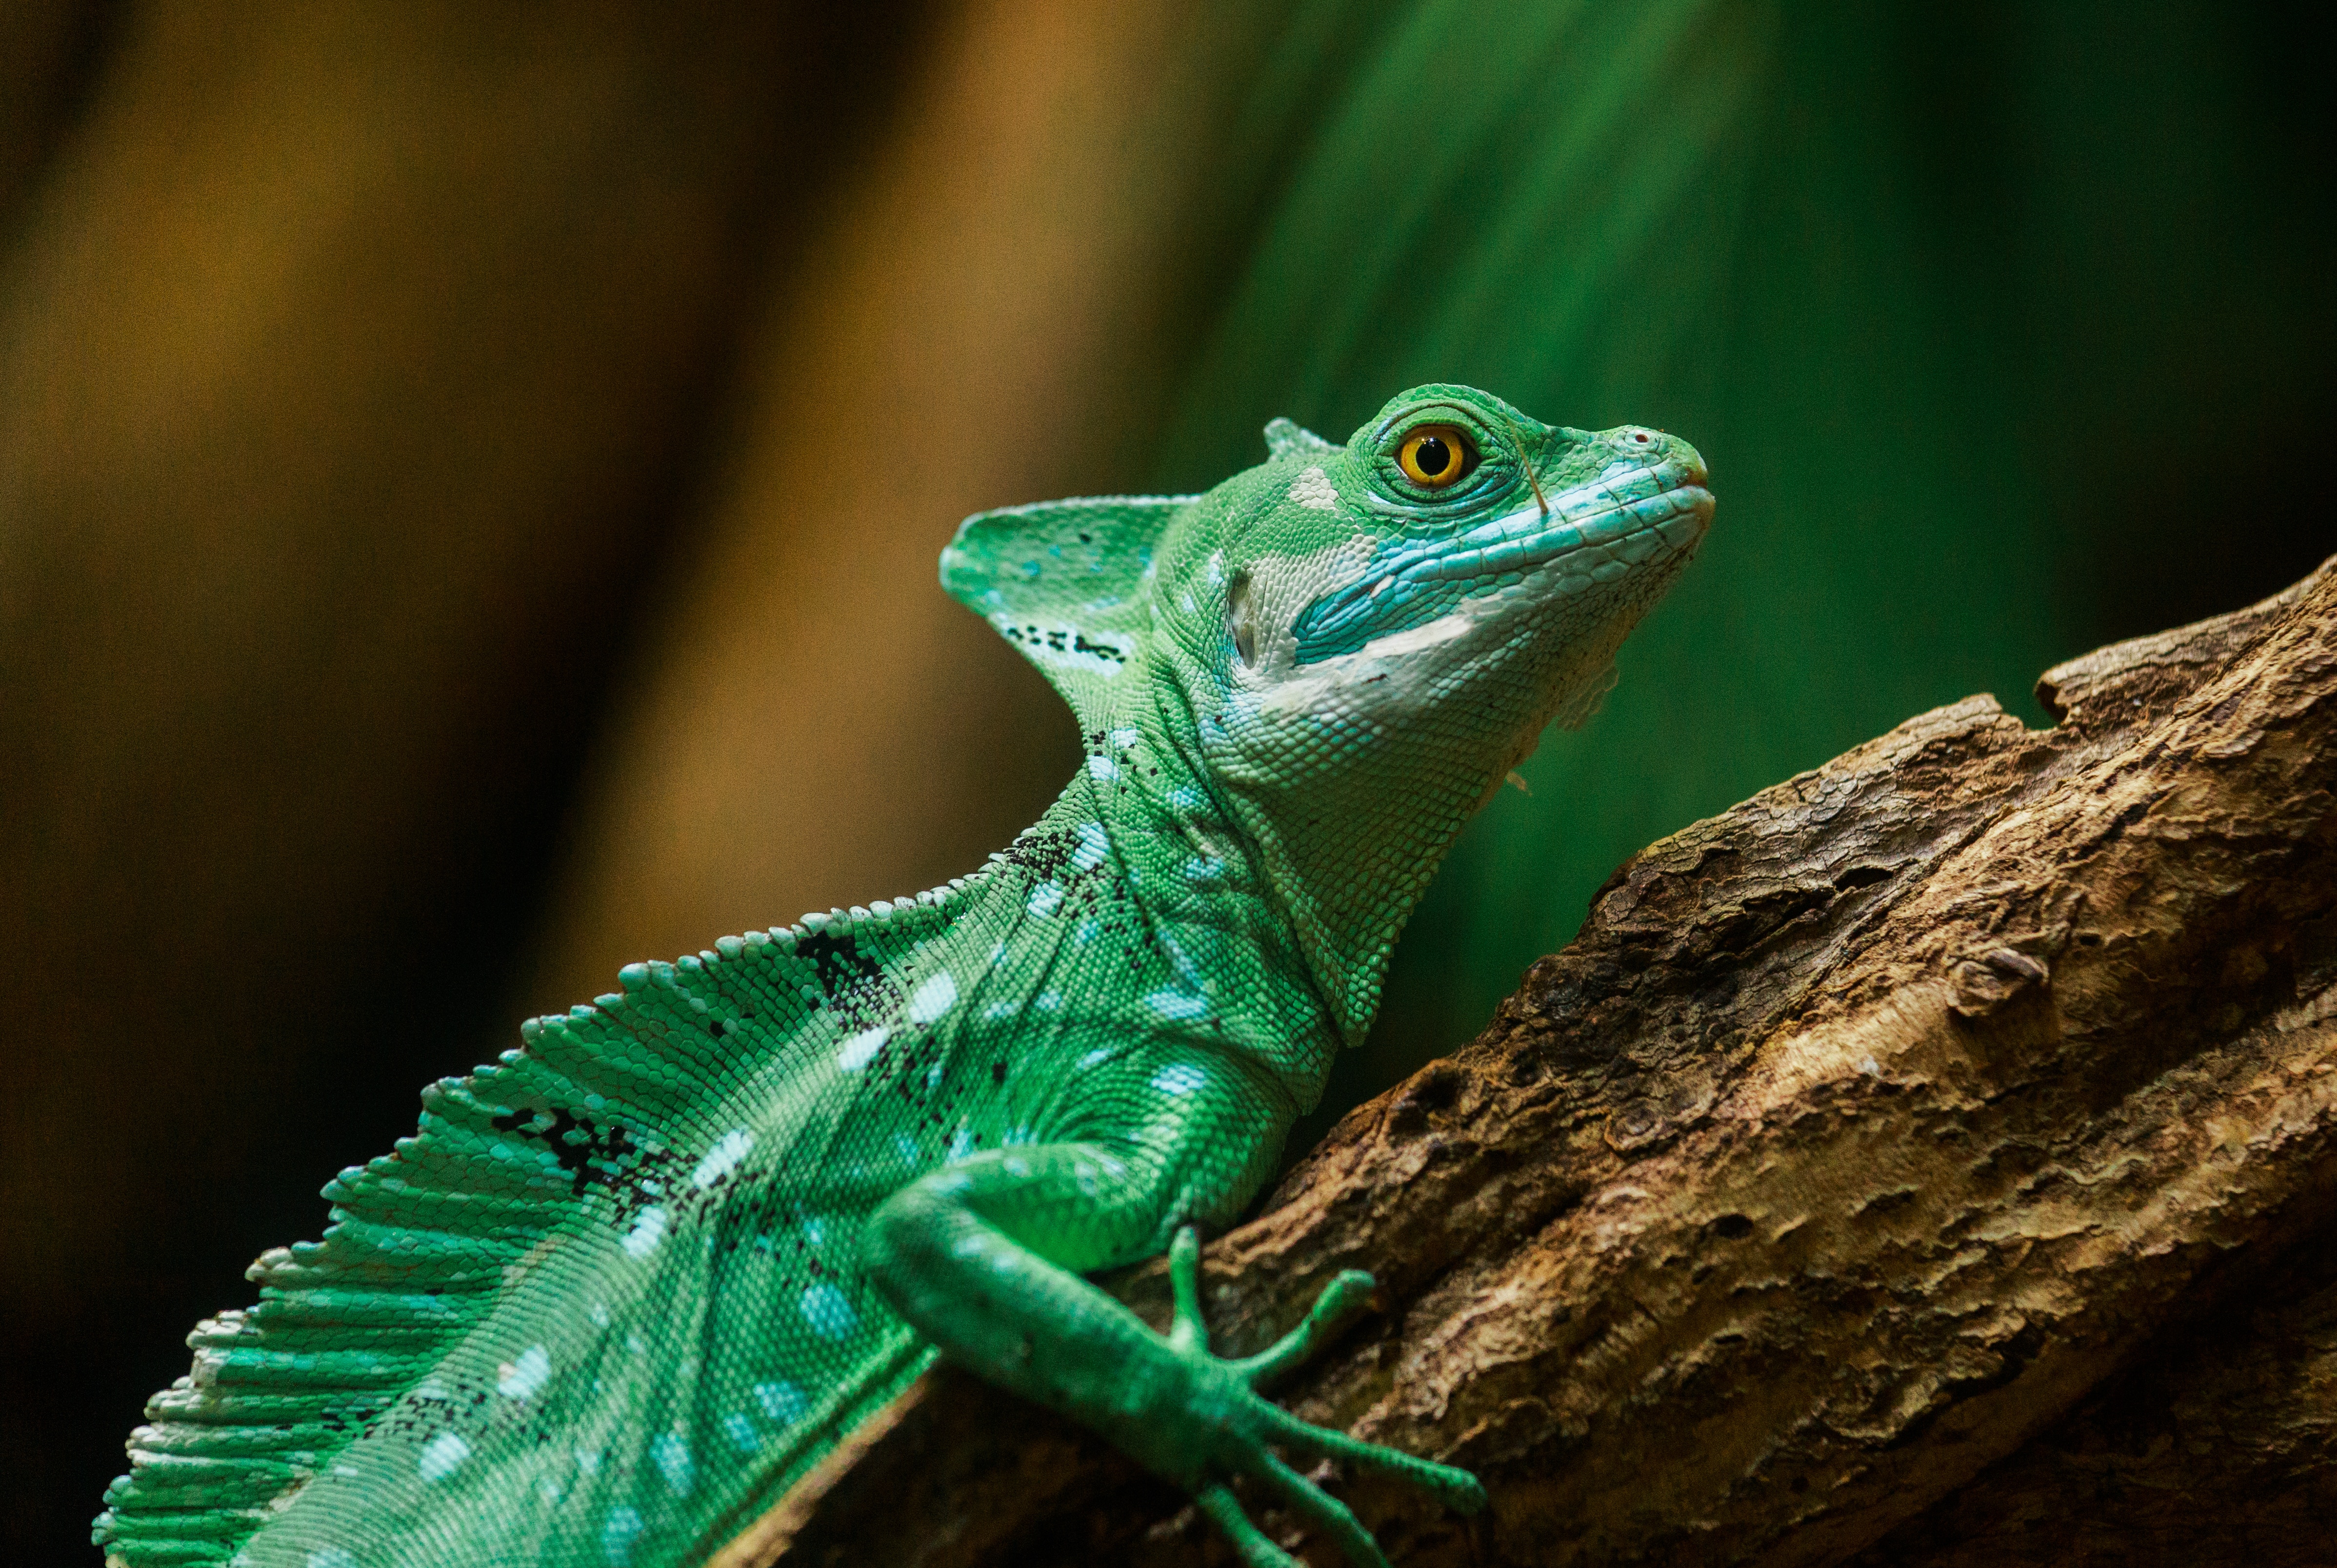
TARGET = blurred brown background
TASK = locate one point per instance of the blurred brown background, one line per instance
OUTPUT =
(470, 480)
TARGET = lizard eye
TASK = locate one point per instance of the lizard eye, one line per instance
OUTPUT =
(1435, 455)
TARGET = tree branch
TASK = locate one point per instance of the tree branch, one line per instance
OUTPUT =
(1918, 1107)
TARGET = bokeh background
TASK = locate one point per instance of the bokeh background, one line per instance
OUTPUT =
(470, 478)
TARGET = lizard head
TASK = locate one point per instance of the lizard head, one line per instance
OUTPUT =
(1355, 644)
(1382, 630)
(1445, 584)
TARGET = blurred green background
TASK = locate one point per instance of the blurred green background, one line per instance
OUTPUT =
(470, 480)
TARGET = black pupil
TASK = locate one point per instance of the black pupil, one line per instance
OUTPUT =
(1433, 456)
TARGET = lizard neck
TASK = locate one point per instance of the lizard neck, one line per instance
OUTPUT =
(1342, 847)
(1139, 881)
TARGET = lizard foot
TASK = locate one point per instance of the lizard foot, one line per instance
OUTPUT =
(1255, 1422)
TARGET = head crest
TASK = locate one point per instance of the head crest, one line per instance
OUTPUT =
(1064, 581)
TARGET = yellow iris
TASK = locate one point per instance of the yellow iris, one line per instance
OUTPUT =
(1434, 455)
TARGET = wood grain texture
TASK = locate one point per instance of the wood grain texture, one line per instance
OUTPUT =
(1932, 1151)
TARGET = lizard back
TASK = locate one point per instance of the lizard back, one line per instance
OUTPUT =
(607, 1293)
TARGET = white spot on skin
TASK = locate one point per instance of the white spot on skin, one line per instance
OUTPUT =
(1044, 899)
(1389, 659)
(1092, 1057)
(783, 1402)
(1095, 847)
(937, 996)
(672, 1453)
(1183, 965)
(441, 1455)
(1313, 490)
(824, 1307)
(1177, 1005)
(330, 1557)
(1125, 738)
(1397, 643)
(740, 1429)
(617, 1533)
(1103, 768)
(960, 1142)
(860, 1049)
(723, 1157)
(647, 1232)
(1179, 1078)
(588, 1461)
(523, 1378)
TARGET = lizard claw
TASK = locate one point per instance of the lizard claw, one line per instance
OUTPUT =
(1332, 1311)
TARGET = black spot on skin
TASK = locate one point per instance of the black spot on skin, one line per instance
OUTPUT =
(852, 982)
(1100, 649)
(997, 1072)
(841, 963)
(601, 1155)
(1044, 853)
(1062, 641)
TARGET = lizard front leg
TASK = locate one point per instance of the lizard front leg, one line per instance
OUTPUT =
(984, 1258)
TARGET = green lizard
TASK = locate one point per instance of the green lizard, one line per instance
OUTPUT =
(623, 1287)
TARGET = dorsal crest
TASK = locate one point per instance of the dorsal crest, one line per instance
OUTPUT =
(1064, 581)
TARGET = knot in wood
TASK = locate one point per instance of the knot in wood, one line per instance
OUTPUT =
(1986, 982)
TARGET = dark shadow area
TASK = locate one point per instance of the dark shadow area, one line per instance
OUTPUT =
(255, 1043)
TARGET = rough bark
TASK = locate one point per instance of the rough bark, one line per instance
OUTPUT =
(1931, 1160)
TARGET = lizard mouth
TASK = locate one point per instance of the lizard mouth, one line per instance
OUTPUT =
(1601, 531)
